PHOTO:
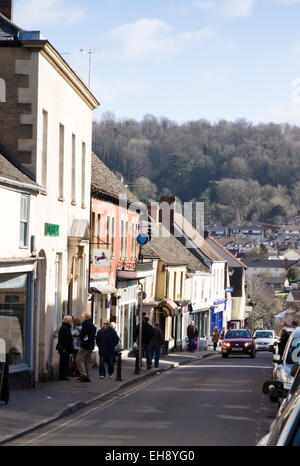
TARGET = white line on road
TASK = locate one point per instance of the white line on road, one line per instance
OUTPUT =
(188, 366)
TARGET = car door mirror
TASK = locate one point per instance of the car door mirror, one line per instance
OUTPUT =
(277, 358)
(294, 369)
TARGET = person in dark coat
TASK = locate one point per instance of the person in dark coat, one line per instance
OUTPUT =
(65, 347)
(147, 334)
(87, 344)
(155, 345)
(106, 340)
(283, 338)
(192, 333)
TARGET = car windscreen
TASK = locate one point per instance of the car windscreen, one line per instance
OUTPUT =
(264, 334)
(293, 355)
(238, 334)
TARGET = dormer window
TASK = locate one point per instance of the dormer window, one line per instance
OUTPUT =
(2, 90)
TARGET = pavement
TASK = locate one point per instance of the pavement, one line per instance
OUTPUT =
(30, 409)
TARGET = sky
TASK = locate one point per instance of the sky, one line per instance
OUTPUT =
(181, 59)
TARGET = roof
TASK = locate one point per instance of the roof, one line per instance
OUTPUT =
(196, 238)
(8, 30)
(265, 263)
(105, 183)
(8, 171)
(295, 294)
(168, 249)
(223, 252)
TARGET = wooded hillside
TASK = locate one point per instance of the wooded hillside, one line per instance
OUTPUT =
(240, 170)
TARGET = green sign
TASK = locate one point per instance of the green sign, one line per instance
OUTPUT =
(51, 229)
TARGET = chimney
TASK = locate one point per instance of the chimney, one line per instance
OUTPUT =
(6, 8)
(166, 212)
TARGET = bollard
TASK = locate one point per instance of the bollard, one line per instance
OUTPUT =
(119, 367)
(137, 363)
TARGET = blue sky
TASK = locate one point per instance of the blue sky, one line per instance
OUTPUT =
(182, 59)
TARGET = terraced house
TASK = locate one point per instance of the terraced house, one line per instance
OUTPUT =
(46, 127)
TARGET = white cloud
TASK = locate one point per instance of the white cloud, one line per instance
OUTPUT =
(36, 13)
(236, 8)
(151, 37)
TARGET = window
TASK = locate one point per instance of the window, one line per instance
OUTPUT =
(122, 238)
(174, 289)
(108, 233)
(83, 164)
(73, 188)
(2, 90)
(14, 315)
(132, 241)
(61, 161)
(57, 292)
(24, 221)
(112, 236)
(44, 149)
(93, 230)
(99, 231)
(126, 238)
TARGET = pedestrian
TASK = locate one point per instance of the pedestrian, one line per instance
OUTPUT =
(106, 340)
(147, 334)
(155, 345)
(192, 333)
(65, 347)
(283, 338)
(118, 347)
(222, 336)
(87, 344)
(76, 342)
(215, 337)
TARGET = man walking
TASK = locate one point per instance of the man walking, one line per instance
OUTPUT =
(155, 345)
(192, 333)
(147, 334)
(106, 340)
(65, 346)
(87, 344)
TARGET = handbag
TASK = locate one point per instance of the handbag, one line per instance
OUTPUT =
(118, 347)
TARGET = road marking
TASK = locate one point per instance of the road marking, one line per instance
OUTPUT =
(237, 418)
(188, 366)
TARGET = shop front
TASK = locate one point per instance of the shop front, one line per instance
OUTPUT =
(201, 318)
(166, 314)
(218, 315)
(17, 322)
(125, 316)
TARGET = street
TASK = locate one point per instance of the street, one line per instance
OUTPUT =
(211, 402)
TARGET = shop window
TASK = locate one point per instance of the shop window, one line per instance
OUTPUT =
(14, 316)
(2, 90)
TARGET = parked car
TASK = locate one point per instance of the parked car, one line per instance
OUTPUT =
(285, 368)
(285, 429)
(238, 341)
(264, 339)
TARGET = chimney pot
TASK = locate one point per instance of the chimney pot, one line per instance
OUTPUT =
(6, 8)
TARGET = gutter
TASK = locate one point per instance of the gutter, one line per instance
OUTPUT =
(19, 184)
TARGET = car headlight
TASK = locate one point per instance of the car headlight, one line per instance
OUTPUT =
(227, 344)
(246, 345)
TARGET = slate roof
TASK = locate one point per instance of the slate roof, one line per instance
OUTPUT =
(196, 238)
(8, 30)
(223, 252)
(265, 263)
(167, 248)
(106, 184)
(9, 171)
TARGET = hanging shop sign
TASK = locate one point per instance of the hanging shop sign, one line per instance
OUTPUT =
(101, 258)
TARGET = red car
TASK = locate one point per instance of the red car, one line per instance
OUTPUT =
(238, 341)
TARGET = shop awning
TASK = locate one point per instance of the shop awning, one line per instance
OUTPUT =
(103, 289)
(169, 308)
